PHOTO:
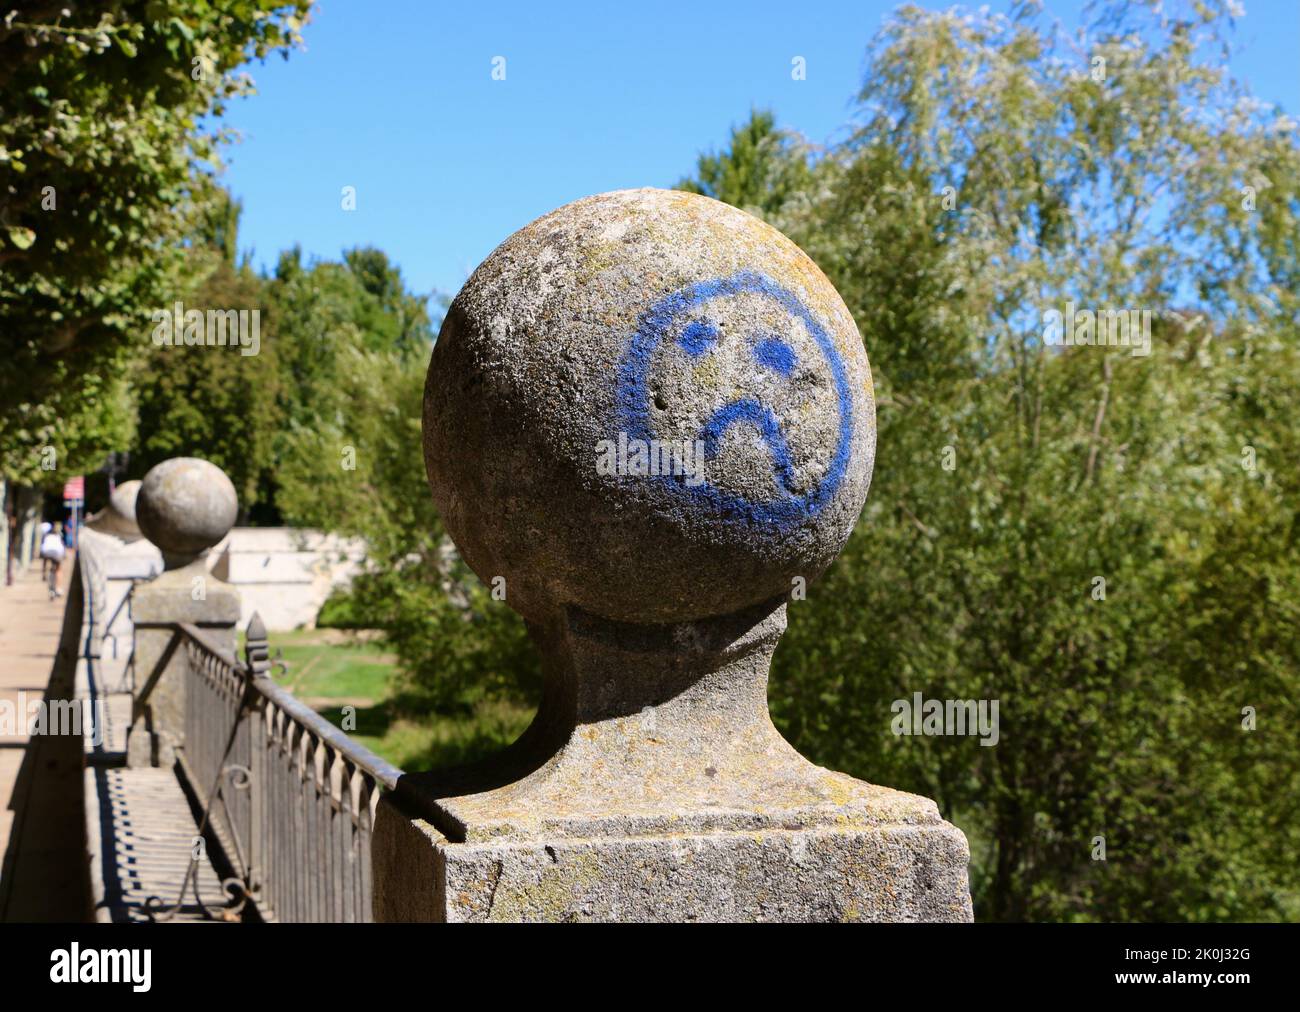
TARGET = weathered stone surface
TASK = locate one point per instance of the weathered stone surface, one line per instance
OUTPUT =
(118, 517)
(659, 315)
(652, 729)
(185, 506)
(652, 784)
(891, 872)
(406, 869)
(189, 594)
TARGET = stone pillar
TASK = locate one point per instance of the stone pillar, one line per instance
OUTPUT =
(184, 506)
(652, 416)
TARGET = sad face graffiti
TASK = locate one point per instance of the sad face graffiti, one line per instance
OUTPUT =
(740, 365)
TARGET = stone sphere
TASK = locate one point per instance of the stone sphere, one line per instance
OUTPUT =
(118, 516)
(185, 506)
(122, 501)
(651, 406)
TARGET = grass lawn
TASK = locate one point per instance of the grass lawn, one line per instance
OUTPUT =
(341, 674)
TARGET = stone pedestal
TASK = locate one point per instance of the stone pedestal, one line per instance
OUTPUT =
(888, 873)
(649, 418)
(184, 506)
(172, 596)
(653, 786)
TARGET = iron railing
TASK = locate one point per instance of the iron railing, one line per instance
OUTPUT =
(289, 797)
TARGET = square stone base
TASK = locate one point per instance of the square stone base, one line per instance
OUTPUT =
(885, 873)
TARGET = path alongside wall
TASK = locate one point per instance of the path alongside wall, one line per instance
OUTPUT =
(41, 835)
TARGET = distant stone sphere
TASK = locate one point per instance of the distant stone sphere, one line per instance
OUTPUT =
(651, 406)
(185, 506)
(118, 516)
(122, 501)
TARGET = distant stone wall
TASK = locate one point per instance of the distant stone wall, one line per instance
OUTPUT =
(285, 573)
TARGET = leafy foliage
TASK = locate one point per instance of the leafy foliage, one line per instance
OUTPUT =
(760, 170)
(360, 470)
(105, 165)
(997, 176)
(278, 421)
(213, 402)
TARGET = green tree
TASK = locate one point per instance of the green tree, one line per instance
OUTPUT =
(323, 311)
(760, 170)
(361, 473)
(213, 402)
(396, 319)
(106, 161)
(354, 346)
(998, 175)
(275, 419)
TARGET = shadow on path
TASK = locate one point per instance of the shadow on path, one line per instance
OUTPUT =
(43, 876)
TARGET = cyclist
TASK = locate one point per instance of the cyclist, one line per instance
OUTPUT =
(53, 551)
(46, 527)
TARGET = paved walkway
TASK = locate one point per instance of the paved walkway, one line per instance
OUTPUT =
(41, 834)
(142, 840)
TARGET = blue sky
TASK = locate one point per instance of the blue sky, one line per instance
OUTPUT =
(396, 98)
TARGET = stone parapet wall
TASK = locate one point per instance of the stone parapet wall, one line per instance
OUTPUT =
(285, 574)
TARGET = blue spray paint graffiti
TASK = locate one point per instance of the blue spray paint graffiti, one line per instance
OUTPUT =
(696, 339)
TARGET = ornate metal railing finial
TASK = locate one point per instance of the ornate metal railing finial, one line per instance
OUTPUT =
(257, 649)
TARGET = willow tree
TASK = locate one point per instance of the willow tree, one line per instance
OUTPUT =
(1101, 540)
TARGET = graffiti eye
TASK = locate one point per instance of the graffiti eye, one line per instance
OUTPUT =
(776, 355)
(699, 337)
